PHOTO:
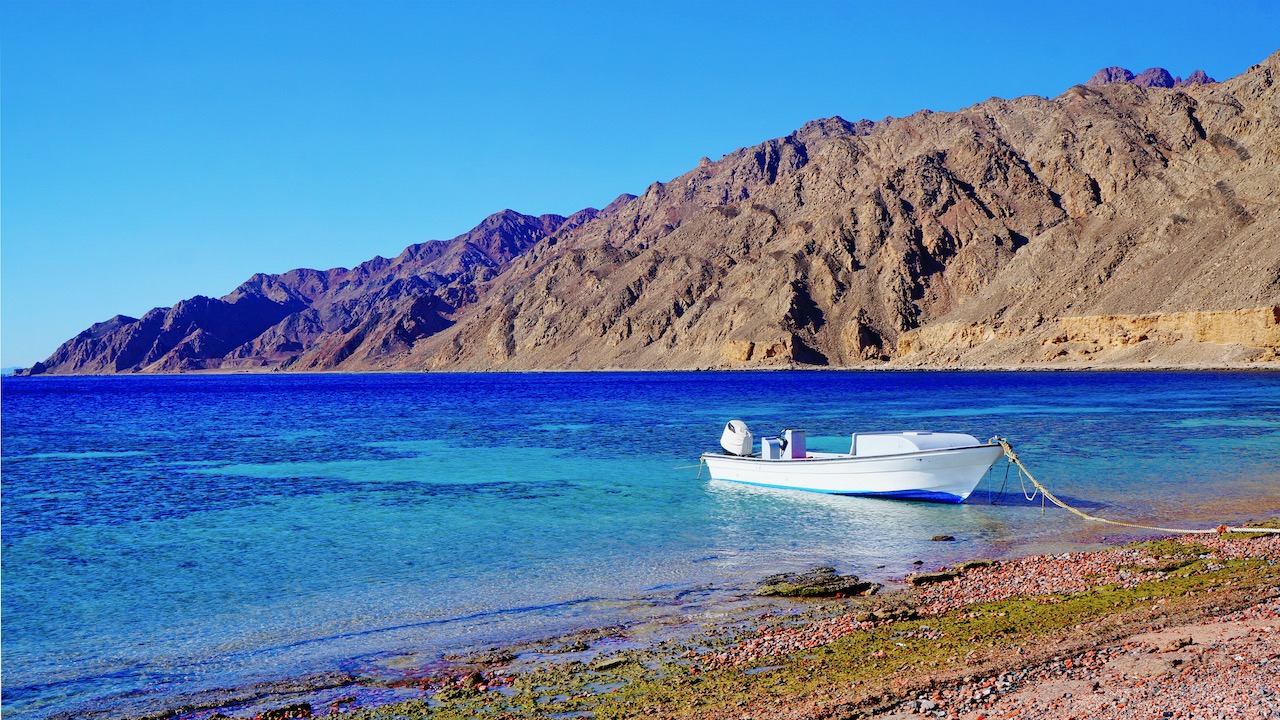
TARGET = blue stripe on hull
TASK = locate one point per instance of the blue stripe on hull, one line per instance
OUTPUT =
(925, 495)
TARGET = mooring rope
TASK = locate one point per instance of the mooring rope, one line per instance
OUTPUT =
(1042, 490)
(702, 463)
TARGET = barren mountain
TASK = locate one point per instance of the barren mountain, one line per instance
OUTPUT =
(1151, 77)
(1112, 225)
(309, 319)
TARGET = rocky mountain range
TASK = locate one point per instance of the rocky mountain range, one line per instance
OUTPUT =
(1151, 77)
(1131, 221)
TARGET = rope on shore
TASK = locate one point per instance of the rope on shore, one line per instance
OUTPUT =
(1013, 458)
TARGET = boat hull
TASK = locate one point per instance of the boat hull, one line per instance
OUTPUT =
(947, 475)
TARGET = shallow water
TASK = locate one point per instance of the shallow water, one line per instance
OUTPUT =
(165, 535)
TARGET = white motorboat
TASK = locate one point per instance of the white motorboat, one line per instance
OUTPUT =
(911, 465)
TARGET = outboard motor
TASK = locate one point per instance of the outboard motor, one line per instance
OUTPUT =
(736, 438)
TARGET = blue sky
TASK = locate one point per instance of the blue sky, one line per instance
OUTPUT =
(151, 151)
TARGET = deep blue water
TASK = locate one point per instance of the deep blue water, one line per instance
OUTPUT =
(163, 535)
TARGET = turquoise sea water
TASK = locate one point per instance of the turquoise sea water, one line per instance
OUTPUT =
(167, 535)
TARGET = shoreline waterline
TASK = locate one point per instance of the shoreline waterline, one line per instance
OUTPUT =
(384, 679)
(743, 622)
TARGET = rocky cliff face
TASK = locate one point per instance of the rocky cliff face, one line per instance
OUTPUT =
(984, 237)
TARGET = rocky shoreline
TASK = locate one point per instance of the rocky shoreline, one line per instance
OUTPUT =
(1172, 627)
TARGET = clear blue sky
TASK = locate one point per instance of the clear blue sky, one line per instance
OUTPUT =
(151, 151)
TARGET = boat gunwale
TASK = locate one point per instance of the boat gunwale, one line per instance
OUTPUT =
(845, 457)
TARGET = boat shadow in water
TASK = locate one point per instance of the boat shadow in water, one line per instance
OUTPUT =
(1013, 496)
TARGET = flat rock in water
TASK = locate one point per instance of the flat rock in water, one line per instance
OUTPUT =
(931, 578)
(818, 582)
(943, 538)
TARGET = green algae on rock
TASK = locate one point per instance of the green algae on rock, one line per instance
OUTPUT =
(821, 582)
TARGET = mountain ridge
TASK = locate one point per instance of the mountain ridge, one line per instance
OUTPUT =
(1151, 77)
(828, 246)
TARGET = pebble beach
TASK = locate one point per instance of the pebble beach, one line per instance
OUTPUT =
(1223, 667)
(1181, 627)
(1218, 666)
